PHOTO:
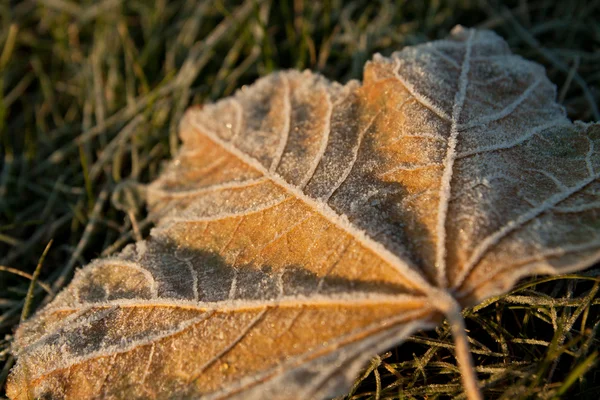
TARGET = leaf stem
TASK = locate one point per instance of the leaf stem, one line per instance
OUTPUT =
(445, 303)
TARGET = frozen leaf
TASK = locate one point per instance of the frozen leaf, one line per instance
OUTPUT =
(310, 225)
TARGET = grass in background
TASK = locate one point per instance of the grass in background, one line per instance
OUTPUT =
(91, 93)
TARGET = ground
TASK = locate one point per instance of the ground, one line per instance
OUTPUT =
(91, 93)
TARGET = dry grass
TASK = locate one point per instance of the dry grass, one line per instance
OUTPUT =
(90, 96)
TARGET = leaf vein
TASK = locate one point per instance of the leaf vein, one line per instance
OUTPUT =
(350, 167)
(323, 145)
(444, 193)
(285, 134)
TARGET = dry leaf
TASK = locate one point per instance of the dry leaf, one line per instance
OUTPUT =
(311, 225)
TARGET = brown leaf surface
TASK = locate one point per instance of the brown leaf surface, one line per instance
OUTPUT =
(310, 225)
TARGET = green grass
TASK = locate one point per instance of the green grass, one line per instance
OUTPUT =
(91, 93)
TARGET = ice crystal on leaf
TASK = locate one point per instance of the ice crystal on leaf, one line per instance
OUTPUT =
(309, 225)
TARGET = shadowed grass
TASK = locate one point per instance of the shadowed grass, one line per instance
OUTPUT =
(91, 93)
